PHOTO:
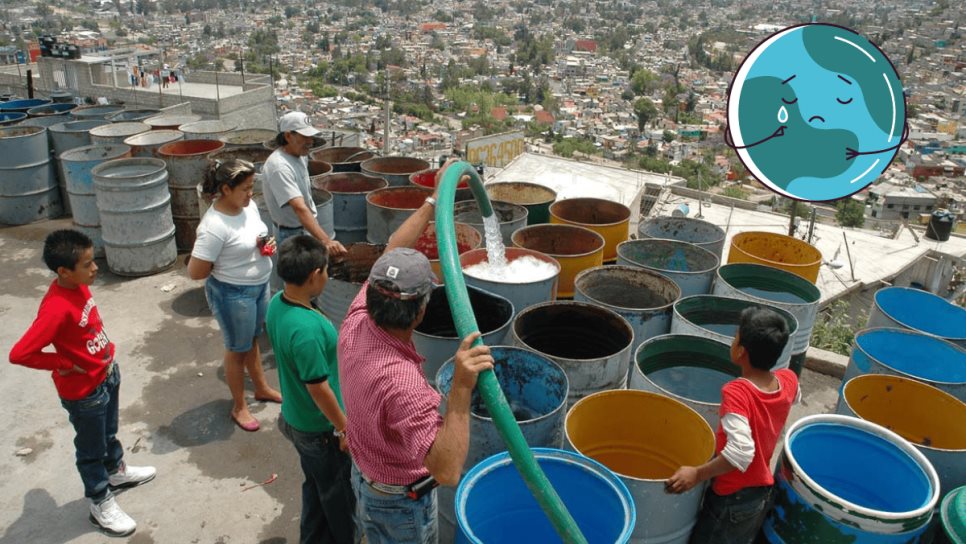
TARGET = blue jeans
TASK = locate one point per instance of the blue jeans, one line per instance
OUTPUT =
(240, 311)
(392, 519)
(732, 519)
(97, 448)
(328, 504)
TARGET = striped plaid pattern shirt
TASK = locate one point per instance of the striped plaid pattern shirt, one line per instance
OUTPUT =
(393, 413)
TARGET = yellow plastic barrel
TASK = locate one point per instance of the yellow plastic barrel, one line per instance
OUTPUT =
(776, 251)
(644, 438)
(575, 248)
(605, 217)
(932, 420)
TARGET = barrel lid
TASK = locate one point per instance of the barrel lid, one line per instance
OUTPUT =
(953, 512)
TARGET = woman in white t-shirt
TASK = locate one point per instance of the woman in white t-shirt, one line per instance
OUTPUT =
(233, 251)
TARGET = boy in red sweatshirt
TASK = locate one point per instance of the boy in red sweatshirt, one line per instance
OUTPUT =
(85, 375)
(753, 411)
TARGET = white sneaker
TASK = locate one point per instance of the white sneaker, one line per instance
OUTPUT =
(128, 476)
(109, 517)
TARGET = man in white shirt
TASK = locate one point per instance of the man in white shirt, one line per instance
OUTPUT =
(288, 194)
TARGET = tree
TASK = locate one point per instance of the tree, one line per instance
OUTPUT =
(668, 136)
(645, 110)
(644, 81)
(850, 213)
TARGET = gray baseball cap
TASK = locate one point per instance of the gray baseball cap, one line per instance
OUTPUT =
(406, 270)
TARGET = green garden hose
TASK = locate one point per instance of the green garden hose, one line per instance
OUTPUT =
(489, 387)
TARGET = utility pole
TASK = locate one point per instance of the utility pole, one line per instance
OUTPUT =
(791, 219)
(385, 137)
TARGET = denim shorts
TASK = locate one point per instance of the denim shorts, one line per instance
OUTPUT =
(240, 311)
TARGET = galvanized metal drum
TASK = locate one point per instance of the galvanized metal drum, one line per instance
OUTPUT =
(116, 133)
(65, 136)
(170, 122)
(685, 229)
(146, 144)
(90, 113)
(718, 318)
(343, 159)
(879, 489)
(779, 288)
(349, 191)
(536, 390)
(187, 162)
(347, 273)
(686, 368)
(592, 344)
(510, 216)
(323, 211)
(247, 138)
(206, 130)
(28, 187)
(643, 297)
(644, 438)
(78, 165)
(51, 110)
(138, 114)
(687, 265)
(135, 211)
(395, 170)
(931, 420)
(254, 155)
(387, 209)
(435, 338)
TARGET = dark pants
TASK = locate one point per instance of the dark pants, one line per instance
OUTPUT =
(328, 503)
(98, 451)
(732, 519)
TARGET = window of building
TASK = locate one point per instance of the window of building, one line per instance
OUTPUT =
(890, 206)
(915, 207)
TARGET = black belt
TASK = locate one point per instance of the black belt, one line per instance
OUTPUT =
(414, 491)
(287, 228)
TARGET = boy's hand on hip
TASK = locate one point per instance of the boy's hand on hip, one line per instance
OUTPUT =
(75, 370)
(683, 480)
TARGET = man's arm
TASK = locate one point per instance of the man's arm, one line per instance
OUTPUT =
(310, 224)
(448, 452)
(407, 233)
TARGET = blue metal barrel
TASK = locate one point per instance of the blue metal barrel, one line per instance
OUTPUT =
(687, 265)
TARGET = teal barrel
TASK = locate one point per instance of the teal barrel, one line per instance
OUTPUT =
(842, 479)
(687, 265)
(12, 117)
(592, 344)
(685, 229)
(902, 352)
(918, 310)
(528, 287)
(132, 115)
(643, 297)
(718, 318)
(534, 197)
(92, 113)
(536, 389)
(435, 337)
(494, 505)
(953, 513)
(689, 369)
(779, 288)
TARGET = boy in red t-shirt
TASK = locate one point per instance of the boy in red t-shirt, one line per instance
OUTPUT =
(85, 375)
(753, 412)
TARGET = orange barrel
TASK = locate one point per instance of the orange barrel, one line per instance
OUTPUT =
(644, 438)
(605, 217)
(932, 420)
(575, 248)
(187, 162)
(395, 170)
(535, 198)
(467, 239)
(778, 251)
(116, 133)
(387, 209)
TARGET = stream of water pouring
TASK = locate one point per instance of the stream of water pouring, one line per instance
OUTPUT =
(495, 250)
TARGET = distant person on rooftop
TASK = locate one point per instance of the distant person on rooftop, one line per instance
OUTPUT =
(754, 409)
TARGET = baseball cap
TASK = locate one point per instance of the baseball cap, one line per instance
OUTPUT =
(298, 122)
(406, 270)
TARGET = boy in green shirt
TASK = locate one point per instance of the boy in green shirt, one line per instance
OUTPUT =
(312, 417)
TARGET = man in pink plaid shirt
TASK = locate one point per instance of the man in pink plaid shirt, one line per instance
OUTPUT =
(401, 447)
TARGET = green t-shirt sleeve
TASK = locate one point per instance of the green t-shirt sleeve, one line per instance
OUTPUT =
(311, 361)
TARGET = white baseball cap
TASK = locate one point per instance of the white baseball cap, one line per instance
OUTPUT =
(298, 122)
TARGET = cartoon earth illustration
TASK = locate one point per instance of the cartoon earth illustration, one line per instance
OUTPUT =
(816, 112)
